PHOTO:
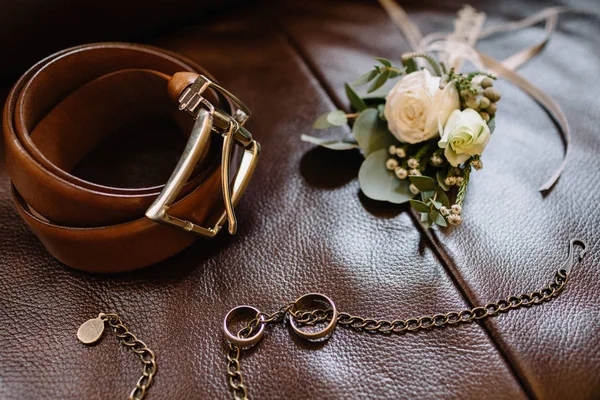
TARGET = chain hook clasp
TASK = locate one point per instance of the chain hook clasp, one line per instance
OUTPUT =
(568, 265)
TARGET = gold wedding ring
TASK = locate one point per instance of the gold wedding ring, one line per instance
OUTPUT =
(236, 313)
(306, 300)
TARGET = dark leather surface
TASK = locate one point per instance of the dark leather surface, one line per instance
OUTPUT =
(304, 226)
(30, 30)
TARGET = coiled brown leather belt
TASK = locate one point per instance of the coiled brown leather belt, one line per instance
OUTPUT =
(66, 105)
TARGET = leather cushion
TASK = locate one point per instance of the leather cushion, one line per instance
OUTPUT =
(304, 226)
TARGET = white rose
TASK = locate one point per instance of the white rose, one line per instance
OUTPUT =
(416, 107)
(465, 134)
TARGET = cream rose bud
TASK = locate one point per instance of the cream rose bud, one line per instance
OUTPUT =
(466, 134)
(416, 107)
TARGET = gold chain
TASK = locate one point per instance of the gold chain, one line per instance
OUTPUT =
(146, 355)
(385, 326)
(453, 318)
(91, 331)
(236, 380)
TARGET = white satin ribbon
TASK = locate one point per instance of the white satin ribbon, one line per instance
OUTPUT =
(411, 32)
(463, 47)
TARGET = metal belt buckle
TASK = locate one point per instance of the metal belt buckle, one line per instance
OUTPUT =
(209, 119)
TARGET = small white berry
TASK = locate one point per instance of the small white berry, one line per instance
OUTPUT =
(454, 219)
(401, 173)
(472, 102)
(456, 209)
(436, 160)
(492, 94)
(391, 164)
(413, 163)
(414, 172)
(487, 82)
(444, 211)
(400, 152)
(450, 180)
(413, 189)
(484, 103)
(477, 164)
(392, 150)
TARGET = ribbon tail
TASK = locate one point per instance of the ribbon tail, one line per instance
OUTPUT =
(544, 100)
(550, 15)
(505, 68)
(518, 59)
(411, 32)
(534, 19)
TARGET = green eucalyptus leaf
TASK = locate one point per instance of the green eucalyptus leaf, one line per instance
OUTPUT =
(423, 183)
(354, 98)
(384, 62)
(337, 118)
(428, 195)
(371, 132)
(426, 220)
(395, 74)
(436, 203)
(419, 206)
(366, 78)
(378, 183)
(322, 122)
(440, 180)
(379, 82)
(437, 218)
(381, 109)
(443, 197)
(333, 144)
(410, 65)
(492, 124)
(378, 95)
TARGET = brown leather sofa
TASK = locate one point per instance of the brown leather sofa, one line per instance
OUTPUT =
(305, 226)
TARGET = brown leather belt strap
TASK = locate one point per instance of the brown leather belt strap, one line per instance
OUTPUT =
(69, 103)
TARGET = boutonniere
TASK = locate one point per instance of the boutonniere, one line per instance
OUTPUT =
(422, 139)
(423, 125)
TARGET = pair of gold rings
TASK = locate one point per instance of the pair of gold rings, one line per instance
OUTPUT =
(299, 305)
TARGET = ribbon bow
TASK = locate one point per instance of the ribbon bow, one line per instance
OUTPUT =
(459, 46)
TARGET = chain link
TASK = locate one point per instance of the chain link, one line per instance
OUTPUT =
(383, 325)
(236, 379)
(453, 317)
(146, 355)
